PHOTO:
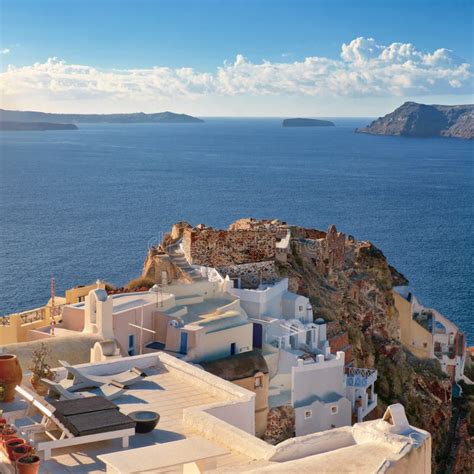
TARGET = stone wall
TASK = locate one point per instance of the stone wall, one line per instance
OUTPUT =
(327, 250)
(281, 424)
(251, 274)
(340, 342)
(216, 248)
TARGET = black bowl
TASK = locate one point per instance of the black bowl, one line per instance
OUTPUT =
(146, 421)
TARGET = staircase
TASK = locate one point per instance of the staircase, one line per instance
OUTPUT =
(178, 258)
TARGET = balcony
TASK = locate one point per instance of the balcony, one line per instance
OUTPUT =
(360, 378)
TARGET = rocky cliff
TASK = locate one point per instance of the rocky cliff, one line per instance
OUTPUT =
(349, 282)
(420, 120)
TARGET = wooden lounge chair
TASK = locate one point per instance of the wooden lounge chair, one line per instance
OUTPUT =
(122, 380)
(75, 422)
(107, 391)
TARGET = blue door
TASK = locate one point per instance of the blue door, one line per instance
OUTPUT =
(183, 348)
(232, 349)
(131, 345)
(257, 336)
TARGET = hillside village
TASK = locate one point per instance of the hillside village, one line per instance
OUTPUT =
(317, 326)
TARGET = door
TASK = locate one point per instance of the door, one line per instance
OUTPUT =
(131, 345)
(257, 336)
(232, 349)
(183, 347)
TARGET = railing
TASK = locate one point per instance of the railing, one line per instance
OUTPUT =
(57, 310)
(356, 377)
(32, 316)
(5, 321)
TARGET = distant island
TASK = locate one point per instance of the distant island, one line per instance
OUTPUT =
(306, 122)
(419, 120)
(139, 117)
(35, 126)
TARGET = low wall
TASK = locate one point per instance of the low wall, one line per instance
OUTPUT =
(251, 274)
(315, 443)
(74, 349)
(14, 328)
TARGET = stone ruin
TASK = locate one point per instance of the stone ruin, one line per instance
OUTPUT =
(246, 241)
(326, 249)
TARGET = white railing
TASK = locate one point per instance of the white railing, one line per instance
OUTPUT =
(356, 377)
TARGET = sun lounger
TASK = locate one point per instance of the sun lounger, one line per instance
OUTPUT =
(75, 422)
(107, 391)
(121, 380)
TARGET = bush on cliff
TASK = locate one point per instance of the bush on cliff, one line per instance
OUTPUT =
(139, 284)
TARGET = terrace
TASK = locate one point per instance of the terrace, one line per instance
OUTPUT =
(204, 410)
(362, 378)
(190, 311)
(167, 390)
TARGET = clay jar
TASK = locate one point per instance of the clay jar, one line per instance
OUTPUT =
(10, 377)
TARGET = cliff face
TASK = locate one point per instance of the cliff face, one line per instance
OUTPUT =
(350, 283)
(420, 120)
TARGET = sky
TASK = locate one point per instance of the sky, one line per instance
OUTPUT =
(234, 57)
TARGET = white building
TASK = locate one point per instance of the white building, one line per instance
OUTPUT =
(197, 322)
(305, 373)
(208, 320)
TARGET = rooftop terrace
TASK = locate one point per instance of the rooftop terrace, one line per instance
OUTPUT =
(166, 391)
(196, 404)
(199, 311)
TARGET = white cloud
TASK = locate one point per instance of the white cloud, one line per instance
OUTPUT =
(5, 51)
(365, 69)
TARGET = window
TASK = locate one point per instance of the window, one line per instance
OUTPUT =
(258, 381)
(308, 414)
(425, 345)
(300, 308)
(334, 410)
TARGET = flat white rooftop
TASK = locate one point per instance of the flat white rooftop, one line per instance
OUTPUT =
(200, 311)
(163, 392)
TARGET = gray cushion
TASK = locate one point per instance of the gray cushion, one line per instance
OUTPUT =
(97, 422)
(82, 405)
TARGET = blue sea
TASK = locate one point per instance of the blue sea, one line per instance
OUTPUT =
(87, 204)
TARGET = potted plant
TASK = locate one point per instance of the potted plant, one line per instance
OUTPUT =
(11, 444)
(8, 432)
(29, 463)
(40, 369)
(20, 451)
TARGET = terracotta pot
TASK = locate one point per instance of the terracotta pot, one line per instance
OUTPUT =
(10, 377)
(20, 451)
(30, 467)
(13, 443)
(5, 437)
(40, 387)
